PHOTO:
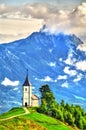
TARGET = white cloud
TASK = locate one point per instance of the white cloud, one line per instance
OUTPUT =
(52, 64)
(70, 60)
(15, 89)
(69, 22)
(60, 77)
(34, 10)
(70, 72)
(65, 85)
(78, 78)
(81, 65)
(18, 22)
(12, 29)
(8, 82)
(47, 79)
(79, 98)
(82, 47)
(60, 59)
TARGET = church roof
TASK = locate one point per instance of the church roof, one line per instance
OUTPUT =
(34, 97)
(26, 82)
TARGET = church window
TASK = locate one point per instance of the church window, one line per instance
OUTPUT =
(25, 89)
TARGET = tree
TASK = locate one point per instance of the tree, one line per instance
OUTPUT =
(84, 122)
(59, 115)
(47, 96)
(54, 112)
(44, 89)
(80, 123)
(70, 119)
(68, 107)
(73, 115)
(62, 103)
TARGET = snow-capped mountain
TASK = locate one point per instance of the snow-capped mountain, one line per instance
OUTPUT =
(51, 59)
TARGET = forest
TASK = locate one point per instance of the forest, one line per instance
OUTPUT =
(74, 115)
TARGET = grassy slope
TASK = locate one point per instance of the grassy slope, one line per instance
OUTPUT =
(19, 123)
(32, 121)
(12, 112)
(47, 122)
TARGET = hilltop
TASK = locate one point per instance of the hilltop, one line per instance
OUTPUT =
(29, 121)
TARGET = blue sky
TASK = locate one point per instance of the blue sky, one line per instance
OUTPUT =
(60, 3)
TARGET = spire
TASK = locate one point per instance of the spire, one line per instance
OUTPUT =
(27, 83)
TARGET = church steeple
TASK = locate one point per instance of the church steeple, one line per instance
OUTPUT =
(28, 99)
(27, 92)
(26, 82)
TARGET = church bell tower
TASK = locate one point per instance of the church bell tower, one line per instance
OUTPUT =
(27, 92)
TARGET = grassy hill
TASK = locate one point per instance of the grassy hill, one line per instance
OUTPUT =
(12, 112)
(30, 121)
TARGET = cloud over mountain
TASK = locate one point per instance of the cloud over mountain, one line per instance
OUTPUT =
(18, 22)
(81, 65)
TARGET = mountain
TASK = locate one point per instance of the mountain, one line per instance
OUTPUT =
(53, 59)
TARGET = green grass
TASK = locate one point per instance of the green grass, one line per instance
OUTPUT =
(19, 123)
(47, 122)
(31, 121)
(12, 112)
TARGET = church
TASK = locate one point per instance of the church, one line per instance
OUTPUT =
(29, 99)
